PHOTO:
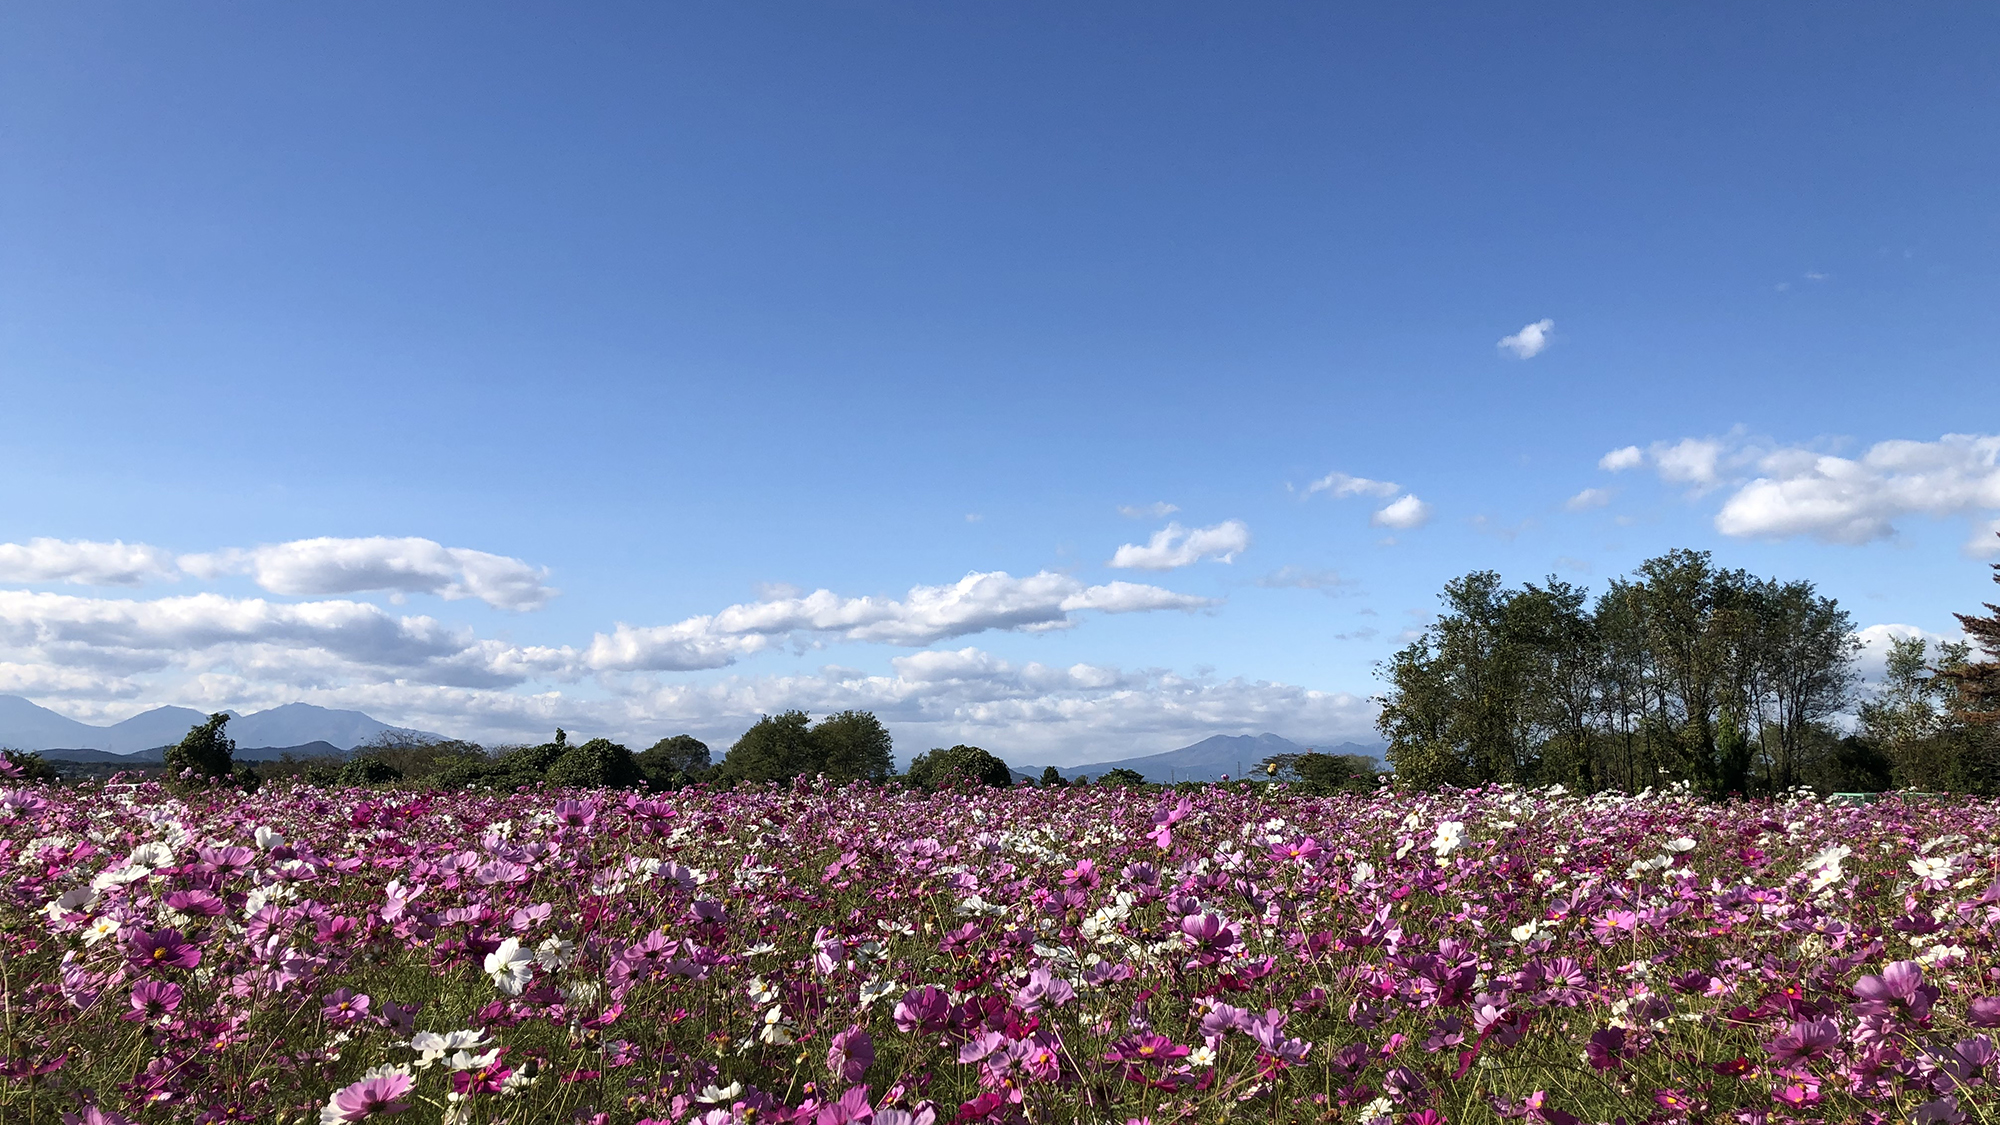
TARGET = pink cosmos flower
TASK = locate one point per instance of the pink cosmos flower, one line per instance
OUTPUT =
(162, 949)
(922, 1009)
(92, 1115)
(370, 1097)
(1147, 1047)
(851, 1053)
(344, 1005)
(575, 814)
(153, 1000)
(1615, 926)
(1807, 1039)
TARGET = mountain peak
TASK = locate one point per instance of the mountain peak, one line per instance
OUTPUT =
(25, 725)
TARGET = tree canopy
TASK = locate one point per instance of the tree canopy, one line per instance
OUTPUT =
(1683, 671)
(206, 753)
(959, 765)
(849, 746)
(672, 763)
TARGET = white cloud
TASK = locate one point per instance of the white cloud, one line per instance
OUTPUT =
(1689, 461)
(1300, 578)
(1618, 460)
(1156, 510)
(1872, 661)
(316, 641)
(1342, 485)
(974, 604)
(1175, 546)
(1843, 500)
(1405, 513)
(82, 562)
(1701, 462)
(352, 566)
(1781, 492)
(1029, 714)
(1531, 340)
(1587, 499)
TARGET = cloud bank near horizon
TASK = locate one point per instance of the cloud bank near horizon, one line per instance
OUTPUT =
(102, 658)
(1788, 491)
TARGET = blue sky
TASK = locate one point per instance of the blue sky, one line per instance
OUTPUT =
(677, 309)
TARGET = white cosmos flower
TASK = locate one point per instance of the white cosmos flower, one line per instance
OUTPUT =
(510, 966)
(712, 1094)
(1931, 867)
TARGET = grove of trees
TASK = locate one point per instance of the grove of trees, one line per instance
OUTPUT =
(1682, 672)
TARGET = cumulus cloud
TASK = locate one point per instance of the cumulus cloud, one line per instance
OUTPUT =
(1341, 485)
(1531, 340)
(1403, 514)
(1174, 546)
(1783, 492)
(1842, 500)
(1873, 659)
(974, 604)
(1699, 462)
(82, 562)
(1587, 499)
(1027, 713)
(1618, 460)
(409, 565)
(1157, 510)
(315, 640)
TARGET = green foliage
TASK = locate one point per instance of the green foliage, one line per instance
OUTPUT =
(1920, 721)
(1977, 700)
(417, 758)
(1122, 776)
(207, 751)
(777, 748)
(1322, 774)
(367, 770)
(1051, 777)
(853, 746)
(30, 766)
(597, 764)
(1682, 672)
(960, 765)
(849, 746)
(672, 763)
(314, 770)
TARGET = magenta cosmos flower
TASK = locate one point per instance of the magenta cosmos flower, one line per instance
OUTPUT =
(154, 1000)
(163, 949)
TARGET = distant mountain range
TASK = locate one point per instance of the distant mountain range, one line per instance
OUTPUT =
(25, 726)
(158, 754)
(1207, 760)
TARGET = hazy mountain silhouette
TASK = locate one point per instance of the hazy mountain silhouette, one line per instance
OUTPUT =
(1207, 760)
(26, 726)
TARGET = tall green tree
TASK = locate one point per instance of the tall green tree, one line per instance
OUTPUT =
(1979, 681)
(207, 753)
(674, 762)
(959, 765)
(854, 746)
(775, 748)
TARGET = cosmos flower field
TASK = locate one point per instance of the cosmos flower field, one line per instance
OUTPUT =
(860, 954)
